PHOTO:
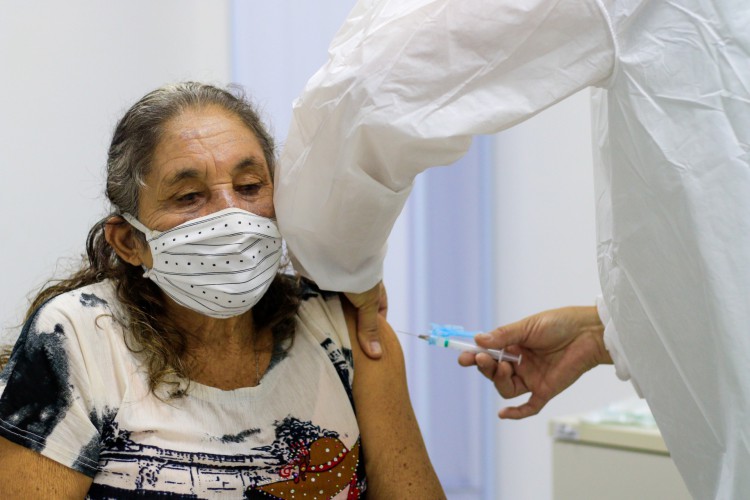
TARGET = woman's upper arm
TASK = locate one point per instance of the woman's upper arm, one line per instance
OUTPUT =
(396, 459)
(26, 474)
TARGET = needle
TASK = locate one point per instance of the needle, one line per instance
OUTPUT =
(441, 341)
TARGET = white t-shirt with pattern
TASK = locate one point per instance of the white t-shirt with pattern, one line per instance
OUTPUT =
(74, 392)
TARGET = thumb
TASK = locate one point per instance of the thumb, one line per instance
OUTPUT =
(367, 330)
(368, 304)
(383, 305)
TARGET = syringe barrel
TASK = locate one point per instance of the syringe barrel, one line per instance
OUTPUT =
(460, 345)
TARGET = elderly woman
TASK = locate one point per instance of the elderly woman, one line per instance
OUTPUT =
(179, 361)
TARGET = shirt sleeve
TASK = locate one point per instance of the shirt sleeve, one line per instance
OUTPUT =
(45, 402)
(322, 314)
(406, 86)
(323, 318)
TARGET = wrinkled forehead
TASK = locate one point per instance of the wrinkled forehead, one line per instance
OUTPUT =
(199, 137)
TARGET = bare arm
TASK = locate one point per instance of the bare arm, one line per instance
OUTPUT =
(27, 475)
(395, 456)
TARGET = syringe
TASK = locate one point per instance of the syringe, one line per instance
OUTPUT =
(499, 355)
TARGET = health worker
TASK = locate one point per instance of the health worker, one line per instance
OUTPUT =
(409, 82)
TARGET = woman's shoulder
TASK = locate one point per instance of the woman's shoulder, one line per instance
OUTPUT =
(96, 298)
(309, 290)
(312, 297)
(79, 332)
(82, 313)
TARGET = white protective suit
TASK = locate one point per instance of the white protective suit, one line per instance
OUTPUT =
(410, 81)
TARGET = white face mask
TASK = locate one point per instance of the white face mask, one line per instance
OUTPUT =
(219, 265)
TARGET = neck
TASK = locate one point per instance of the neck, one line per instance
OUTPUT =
(207, 331)
(226, 353)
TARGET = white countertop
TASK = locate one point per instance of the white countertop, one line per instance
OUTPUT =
(580, 429)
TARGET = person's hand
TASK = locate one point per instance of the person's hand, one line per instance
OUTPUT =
(369, 304)
(558, 346)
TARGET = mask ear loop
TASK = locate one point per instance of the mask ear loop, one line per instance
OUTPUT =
(146, 231)
(137, 224)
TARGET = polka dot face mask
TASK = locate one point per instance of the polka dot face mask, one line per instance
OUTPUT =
(219, 265)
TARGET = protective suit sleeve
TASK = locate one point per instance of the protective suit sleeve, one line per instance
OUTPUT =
(406, 86)
(612, 343)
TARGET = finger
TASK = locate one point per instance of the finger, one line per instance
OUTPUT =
(486, 365)
(502, 337)
(528, 409)
(507, 383)
(368, 304)
(383, 306)
(368, 333)
(467, 359)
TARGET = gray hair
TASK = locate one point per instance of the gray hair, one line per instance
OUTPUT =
(138, 133)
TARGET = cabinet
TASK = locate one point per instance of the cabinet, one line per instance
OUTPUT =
(592, 460)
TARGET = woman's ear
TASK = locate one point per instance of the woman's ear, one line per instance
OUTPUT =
(122, 238)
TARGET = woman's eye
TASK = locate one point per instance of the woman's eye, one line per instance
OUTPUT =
(249, 188)
(188, 197)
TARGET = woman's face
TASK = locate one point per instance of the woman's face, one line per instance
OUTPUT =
(206, 161)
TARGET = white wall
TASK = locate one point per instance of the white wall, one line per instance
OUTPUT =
(278, 46)
(69, 70)
(545, 246)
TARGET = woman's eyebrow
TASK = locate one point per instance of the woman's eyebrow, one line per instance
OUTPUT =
(181, 175)
(251, 164)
